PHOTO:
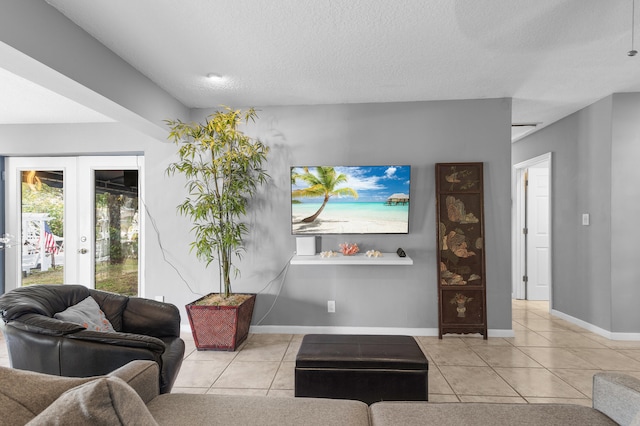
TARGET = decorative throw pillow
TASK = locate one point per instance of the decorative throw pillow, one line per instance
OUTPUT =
(88, 314)
(105, 401)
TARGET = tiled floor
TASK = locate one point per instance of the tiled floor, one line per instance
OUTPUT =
(548, 360)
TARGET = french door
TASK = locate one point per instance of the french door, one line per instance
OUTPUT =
(75, 220)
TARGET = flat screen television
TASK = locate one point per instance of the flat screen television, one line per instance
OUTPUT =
(350, 199)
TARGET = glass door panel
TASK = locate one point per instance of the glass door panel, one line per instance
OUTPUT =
(116, 231)
(42, 227)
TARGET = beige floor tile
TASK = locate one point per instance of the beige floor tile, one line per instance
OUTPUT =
(281, 393)
(493, 399)
(189, 390)
(569, 326)
(265, 337)
(524, 313)
(541, 324)
(631, 353)
(263, 351)
(581, 379)
(607, 359)
(443, 398)
(569, 339)
(557, 358)
(437, 382)
(237, 391)
(435, 341)
(476, 381)
(528, 338)
(516, 326)
(497, 356)
(292, 350)
(252, 375)
(454, 355)
(577, 401)
(537, 382)
(221, 356)
(491, 341)
(199, 374)
(623, 344)
(285, 377)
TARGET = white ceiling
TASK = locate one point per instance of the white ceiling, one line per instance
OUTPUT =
(553, 57)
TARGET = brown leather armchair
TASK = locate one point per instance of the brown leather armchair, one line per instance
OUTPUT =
(36, 341)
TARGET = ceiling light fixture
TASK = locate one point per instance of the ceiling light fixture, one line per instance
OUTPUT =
(214, 76)
(632, 52)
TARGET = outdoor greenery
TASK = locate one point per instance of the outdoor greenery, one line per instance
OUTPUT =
(121, 279)
(223, 168)
(45, 199)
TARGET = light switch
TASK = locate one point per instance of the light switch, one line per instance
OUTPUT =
(585, 219)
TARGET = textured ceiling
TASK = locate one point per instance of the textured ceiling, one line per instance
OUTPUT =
(552, 57)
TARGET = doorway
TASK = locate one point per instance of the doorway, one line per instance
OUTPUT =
(532, 230)
(77, 220)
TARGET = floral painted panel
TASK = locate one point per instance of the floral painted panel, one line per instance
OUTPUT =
(461, 253)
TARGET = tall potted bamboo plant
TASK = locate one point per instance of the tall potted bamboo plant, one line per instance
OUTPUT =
(223, 168)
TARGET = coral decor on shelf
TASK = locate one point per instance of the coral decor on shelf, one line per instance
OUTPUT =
(349, 249)
(373, 253)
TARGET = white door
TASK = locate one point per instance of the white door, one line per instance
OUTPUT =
(538, 268)
(78, 220)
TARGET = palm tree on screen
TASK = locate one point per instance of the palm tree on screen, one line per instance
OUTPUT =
(321, 185)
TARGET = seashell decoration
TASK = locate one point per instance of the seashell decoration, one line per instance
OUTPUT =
(329, 253)
(373, 253)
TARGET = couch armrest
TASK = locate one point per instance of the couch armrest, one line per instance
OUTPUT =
(142, 376)
(151, 318)
(121, 339)
(36, 323)
(617, 396)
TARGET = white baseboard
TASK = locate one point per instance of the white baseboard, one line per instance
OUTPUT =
(294, 329)
(611, 335)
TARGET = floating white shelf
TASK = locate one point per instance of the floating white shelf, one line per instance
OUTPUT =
(357, 259)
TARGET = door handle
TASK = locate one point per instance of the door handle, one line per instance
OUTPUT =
(83, 251)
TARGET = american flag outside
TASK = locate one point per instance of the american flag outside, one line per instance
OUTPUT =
(49, 240)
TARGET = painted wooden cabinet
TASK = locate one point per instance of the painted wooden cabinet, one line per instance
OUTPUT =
(461, 254)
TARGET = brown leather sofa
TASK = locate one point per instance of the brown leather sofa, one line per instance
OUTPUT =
(36, 341)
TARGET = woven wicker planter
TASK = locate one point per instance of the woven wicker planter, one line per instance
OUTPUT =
(220, 328)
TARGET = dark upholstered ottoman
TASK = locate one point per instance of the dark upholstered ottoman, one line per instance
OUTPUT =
(361, 367)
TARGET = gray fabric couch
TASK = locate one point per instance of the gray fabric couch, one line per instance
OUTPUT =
(130, 395)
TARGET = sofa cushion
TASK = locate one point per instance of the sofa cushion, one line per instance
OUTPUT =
(105, 401)
(88, 313)
(455, 414)
(24, 394)
(189, 409)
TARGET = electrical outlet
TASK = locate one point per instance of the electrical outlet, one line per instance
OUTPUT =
(331, 306)
(159, 298)
(585, 219)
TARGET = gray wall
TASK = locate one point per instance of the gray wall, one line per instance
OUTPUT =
(625, 209)
(420, 134)
(594, 159)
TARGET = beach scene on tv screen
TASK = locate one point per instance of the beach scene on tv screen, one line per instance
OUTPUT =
(350, 199)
